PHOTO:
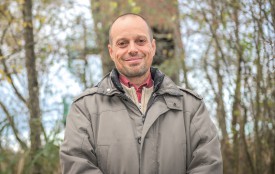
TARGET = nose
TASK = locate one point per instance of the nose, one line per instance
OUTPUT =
(133, 49)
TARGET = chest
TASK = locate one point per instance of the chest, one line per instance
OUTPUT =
(119, 147)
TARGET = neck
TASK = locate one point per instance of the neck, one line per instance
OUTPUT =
(138, 80)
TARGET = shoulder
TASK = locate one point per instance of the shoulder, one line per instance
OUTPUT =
(190, 92)
(87, 92)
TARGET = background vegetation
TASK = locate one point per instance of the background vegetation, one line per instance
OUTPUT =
(52, 50)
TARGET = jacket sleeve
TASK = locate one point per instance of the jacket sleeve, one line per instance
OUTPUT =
(205, 147)
(77, 153)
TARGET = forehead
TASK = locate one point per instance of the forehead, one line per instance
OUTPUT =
(129, 26)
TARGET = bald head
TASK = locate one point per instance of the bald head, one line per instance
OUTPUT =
(129, 15)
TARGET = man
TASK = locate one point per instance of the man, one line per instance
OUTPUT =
(136, 120)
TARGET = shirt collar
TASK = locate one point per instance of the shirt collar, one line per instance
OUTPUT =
(125, 81)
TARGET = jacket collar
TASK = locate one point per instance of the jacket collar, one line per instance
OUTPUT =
(111, 85)
(163, 84)
(157, 77)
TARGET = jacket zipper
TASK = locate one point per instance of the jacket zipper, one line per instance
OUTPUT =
(150, 103)
(126, 98)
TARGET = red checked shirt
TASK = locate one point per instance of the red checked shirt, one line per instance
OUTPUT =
(147, 84)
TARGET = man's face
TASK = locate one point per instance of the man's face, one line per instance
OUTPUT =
(131, 49)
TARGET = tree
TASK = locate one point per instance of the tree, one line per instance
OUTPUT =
(33, 86)
(28, 51)
(235, 39)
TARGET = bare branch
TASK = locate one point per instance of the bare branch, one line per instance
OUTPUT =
(19, 95)
(13, 126)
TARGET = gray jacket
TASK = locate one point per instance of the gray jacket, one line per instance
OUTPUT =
(178, 135)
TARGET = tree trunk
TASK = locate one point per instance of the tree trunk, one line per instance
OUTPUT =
(236, 109)
(33, 87)
(219, 57)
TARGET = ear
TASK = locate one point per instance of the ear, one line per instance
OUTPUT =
(154, 46)
(111, 52)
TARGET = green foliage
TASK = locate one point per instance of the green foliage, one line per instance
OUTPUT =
(113, 5)
(17, 162)
(48, 157)
(134, 8)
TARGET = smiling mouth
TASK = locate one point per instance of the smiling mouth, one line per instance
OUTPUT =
(133, 59)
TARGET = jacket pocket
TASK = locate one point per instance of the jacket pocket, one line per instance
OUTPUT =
(102, 152)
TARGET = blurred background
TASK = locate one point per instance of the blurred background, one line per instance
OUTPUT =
(51, 50)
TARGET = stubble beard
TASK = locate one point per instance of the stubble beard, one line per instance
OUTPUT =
(130, 73)
(136, 72)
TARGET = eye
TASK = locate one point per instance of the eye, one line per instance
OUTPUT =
(141, 41)
(122, 43)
